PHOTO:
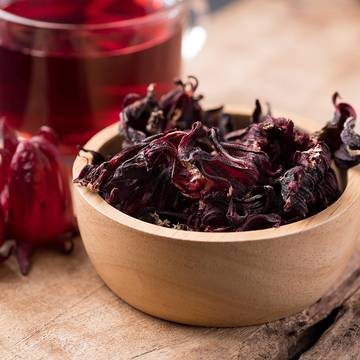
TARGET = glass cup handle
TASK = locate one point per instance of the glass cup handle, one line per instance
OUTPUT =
(195, 33)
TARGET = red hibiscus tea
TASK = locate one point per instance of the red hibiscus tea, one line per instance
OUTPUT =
(69, 64)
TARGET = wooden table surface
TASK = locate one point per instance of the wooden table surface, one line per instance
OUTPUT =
(292, 53)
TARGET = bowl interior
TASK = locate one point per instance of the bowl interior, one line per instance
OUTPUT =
(108, 142)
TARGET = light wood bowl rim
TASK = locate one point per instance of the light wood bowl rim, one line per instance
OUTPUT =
(319, 219)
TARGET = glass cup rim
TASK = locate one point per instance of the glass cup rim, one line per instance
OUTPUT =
(178, 5)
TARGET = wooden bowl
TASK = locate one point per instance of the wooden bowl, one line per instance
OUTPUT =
(216, 279)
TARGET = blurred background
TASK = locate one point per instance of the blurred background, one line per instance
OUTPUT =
(292, 53)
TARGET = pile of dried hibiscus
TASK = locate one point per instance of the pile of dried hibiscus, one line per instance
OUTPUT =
(35, 199)
(183, 167)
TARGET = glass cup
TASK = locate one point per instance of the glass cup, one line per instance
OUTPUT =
(68, 64)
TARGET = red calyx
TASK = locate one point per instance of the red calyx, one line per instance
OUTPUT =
(37, 198)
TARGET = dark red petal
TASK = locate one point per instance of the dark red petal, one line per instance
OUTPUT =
(331, 132)
(2, 227)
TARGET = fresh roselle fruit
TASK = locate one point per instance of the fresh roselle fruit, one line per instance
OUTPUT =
(5, 159)
(3, 176)
(6, 246)
(40, 208)
(8, 144)
(2, 234)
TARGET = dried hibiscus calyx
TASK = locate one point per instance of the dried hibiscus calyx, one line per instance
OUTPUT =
(348, 154)
(192, 169)
(331, 132)
(173, 174)
(339, 134)
(181, 106)
(38, 209)
(277, 137)
(134, 119)
(310, 185)
(225, 186)
(179, 109)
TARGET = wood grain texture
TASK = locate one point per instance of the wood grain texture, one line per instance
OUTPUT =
(291, 53)
(291, 337)
(340, 341)
(70, 314)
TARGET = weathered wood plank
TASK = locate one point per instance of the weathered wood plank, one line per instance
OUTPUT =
(289, 338)
(342, 339)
